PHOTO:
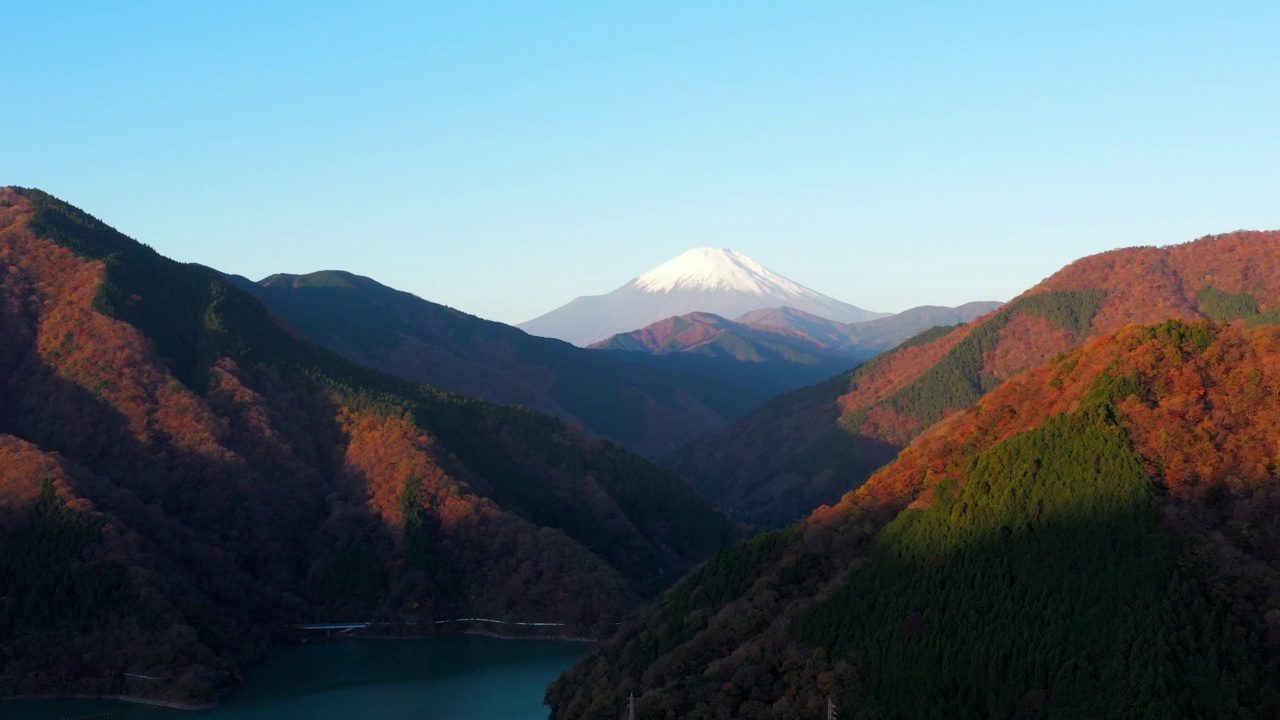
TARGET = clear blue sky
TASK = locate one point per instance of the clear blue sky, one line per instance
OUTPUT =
(504, 157)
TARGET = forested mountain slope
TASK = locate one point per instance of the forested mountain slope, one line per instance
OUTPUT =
(1094, 538)
(764, 359)
(870, 336)
(181, 480)
(647, 410)
(775, 350)
(809, 447)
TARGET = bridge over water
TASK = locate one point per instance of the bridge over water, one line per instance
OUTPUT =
(346, 627)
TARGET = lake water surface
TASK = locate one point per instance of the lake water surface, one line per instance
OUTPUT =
(454, 678)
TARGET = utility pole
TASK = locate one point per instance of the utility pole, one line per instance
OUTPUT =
(631, 707)
(831, 708)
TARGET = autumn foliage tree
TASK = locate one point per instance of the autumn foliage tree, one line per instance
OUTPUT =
(218, 480)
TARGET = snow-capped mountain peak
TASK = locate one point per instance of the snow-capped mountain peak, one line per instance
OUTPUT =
(716, 269)
(711, 280)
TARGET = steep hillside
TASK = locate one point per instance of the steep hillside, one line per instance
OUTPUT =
(182, 480)
(1094, 538)
(646, 410)
(763, 359)
(805, 449)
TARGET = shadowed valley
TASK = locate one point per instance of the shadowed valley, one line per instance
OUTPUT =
(182, 479)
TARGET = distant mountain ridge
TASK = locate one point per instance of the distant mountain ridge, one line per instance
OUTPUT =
(870, 335)
(692, 331)
(718, 281)
(648, 410)
(774, 350)
(761, 358)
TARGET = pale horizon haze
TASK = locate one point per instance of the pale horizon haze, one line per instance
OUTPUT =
(503, 158)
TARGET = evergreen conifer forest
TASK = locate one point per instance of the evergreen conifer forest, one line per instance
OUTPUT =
(1065, 508)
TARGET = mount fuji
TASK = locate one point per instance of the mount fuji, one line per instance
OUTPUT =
(712, 280)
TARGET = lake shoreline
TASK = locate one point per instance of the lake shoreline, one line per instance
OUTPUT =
(216, 701)
(132, 699)
(476, 633)
(560, 638)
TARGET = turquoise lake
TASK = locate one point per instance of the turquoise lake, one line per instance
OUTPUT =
(454, 678)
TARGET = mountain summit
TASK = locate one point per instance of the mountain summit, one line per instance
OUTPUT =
(714, 280)
(719, 269)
